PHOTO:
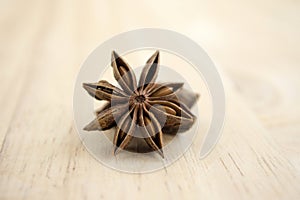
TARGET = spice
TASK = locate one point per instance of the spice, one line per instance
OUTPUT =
(145, 109)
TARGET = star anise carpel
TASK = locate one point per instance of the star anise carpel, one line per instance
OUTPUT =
(143, 109)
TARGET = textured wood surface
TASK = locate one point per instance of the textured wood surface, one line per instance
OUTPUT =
(256, 47)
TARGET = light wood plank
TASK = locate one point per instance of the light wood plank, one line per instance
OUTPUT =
(41, 155)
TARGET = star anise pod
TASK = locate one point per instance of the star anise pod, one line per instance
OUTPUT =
(145, 109)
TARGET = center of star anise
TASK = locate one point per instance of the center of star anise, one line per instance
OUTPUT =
(140, 98)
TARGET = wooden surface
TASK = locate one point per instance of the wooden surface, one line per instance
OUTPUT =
(256, 47)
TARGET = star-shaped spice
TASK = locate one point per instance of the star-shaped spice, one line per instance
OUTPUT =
(145, 109)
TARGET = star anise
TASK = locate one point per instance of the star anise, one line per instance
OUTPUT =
(144, 110)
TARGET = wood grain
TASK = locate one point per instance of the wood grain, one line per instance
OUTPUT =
(42, 46)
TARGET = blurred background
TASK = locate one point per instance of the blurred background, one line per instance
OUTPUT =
(255, 45)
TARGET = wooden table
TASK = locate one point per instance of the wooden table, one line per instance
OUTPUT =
(256, 46)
